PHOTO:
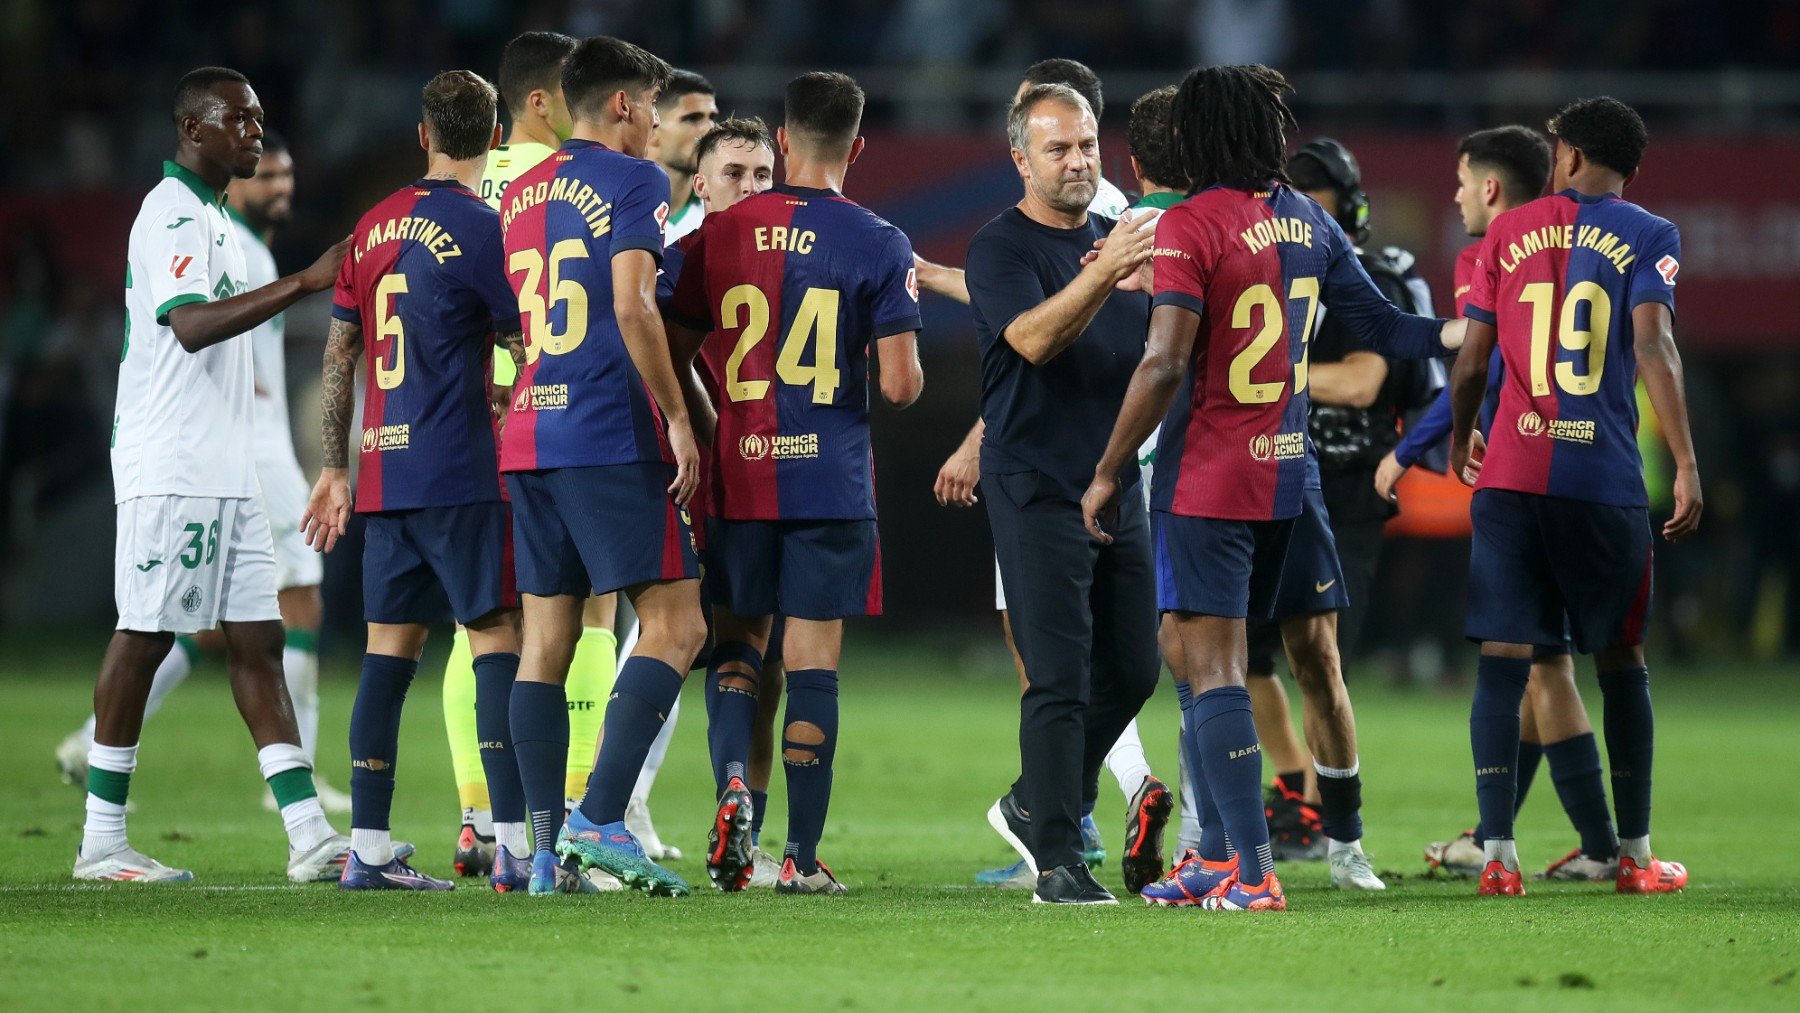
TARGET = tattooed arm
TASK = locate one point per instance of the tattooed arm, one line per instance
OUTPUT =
(328, 510)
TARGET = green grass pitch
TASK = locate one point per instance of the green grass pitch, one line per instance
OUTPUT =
(925, 748)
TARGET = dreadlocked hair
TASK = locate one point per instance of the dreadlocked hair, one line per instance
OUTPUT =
(1230, 125)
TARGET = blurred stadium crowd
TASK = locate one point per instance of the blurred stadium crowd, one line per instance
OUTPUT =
(83, 115)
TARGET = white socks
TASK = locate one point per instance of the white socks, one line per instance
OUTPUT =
(1339, 772)
(1127, 763)
(304, 818)
(511, 836)
(372, 847)
(481, 819)
(111, 768)
(301, 667)
(1635, 848)
(1333, 846)
(1190, 811)
(1504, 852)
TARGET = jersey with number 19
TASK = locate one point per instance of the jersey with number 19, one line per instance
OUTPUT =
(1559, 279)
(193, 545)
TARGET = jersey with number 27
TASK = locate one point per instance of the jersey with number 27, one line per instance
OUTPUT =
(579, 400)
(793, 284)
(1558, 279)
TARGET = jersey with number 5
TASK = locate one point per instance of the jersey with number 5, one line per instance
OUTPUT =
(1255, 265)
(792, 285)
(579, 401)
(425, 283)
(1558, 279)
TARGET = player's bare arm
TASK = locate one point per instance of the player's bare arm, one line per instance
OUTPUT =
(948, 282)
(957, 479)
(1659, 366)
(684, 346)
(1041, 333)
(641, 327)
(1354, 381)
(1468, 379)
(899, 374)
(201, 325)
(328, 509)
(1147, 400)
(500, 394)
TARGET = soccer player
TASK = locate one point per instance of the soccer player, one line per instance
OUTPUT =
(259, 206)
(599, 454)
(1241, 267)
(1498, 170)
(1577, 290)
(193, 547)
(794, 494)
(733, 160)
(684, 114)
(426, 279)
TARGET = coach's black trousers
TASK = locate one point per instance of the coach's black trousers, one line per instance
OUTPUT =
(1084, 620)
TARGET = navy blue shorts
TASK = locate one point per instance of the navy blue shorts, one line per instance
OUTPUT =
(598, 529)
(806, 569)
(414, 561)
(1312, 580)
(1218, 567)
(1540, 565)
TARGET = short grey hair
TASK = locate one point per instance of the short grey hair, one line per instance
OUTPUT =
(1020, 113)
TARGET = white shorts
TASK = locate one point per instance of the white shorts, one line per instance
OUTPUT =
(183, 564)
(285, 493)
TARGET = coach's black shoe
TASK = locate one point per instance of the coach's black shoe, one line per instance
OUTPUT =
(1013, 825)
(1150, 809)
(1071, 884)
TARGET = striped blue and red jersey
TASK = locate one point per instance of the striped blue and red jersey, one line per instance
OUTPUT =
(793, 284)
(579, 400)
(1558, 279)
(1256, 265)
(425, 282)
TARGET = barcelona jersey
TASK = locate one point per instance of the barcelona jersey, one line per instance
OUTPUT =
(424, 281)
(793, 284)
(579, 400)
(1256, 267)
(1558, 279)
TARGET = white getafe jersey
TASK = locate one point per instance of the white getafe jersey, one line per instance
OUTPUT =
(268, 353)
(184, 424)
(683, 222)
(1109, 201)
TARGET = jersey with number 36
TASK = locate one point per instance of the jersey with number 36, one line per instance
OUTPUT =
(793, 284)
(1558, 279)
(424, 282)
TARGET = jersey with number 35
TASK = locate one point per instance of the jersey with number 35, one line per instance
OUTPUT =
(579, 401)
(1558, 279)
(792, 285)
(424, 282)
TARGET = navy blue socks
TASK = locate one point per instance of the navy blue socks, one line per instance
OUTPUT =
(540, 731)
(494, 674)
(1630, 746)
(1531, 756)
(1231, 758)
(731, 711)
(642, 696)
(759, 801)
(375, 737)
(1213, 845)
(1494, 741)
(1575, 770)
(812, 699)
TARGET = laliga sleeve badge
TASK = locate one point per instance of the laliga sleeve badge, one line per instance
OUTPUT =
(1667, 268)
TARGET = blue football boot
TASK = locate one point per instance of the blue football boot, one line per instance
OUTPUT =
(1093, 849)
(548, 875)
(510, 874)
(613, 850)
(1017, 876)
(395, 875)
(1192, 879)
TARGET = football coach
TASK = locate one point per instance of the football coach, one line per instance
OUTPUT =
(1061, 333)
